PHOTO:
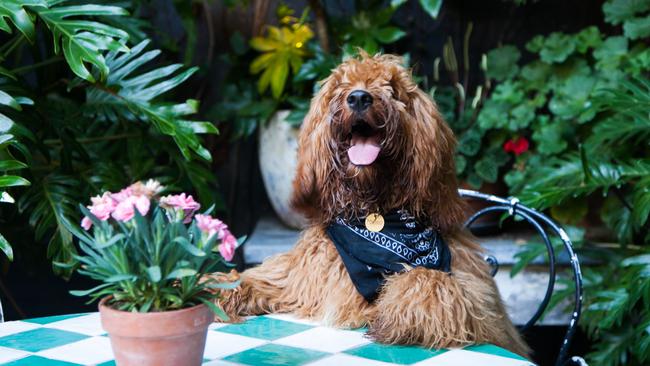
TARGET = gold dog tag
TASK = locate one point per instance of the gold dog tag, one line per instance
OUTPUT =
(374, 222)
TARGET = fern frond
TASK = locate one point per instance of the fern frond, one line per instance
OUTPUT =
(52, 203)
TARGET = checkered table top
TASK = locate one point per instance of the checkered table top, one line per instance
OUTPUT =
(265, 340)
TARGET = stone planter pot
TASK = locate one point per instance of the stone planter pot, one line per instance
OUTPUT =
(278, 148)
(168, 338)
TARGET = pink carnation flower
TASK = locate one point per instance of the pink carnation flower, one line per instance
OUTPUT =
(228, 246)
(125, 210)
(102, 207)
(122, 195)
(86, 223)
(181, 203)
(149, 188)
(211, 226)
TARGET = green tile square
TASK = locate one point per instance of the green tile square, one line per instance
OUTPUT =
(52, 319)
(275, 354)
(265, 328)
(494, 350)
(403, 355)
(39, 339)
(107, 363)
(38, 361)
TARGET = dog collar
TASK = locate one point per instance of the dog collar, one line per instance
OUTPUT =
(370, 256)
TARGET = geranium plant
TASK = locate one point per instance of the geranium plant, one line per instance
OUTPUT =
(152, 253)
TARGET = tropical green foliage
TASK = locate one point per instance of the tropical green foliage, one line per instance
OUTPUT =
(99, 123)
(583, 102)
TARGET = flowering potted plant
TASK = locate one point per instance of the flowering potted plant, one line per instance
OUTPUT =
(152, 255)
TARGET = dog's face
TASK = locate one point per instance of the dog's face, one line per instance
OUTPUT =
(372, 142)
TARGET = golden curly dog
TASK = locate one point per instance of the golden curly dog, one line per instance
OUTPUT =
(365, 102)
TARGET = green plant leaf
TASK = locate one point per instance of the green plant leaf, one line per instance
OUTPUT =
(13, 181)
(588, 38)
(14, 10)
(120, 277)
(502, 62)
(470, 142)
(180, 273)
(636, 28)
(192, 249)
(51, 204)
(611, 52)
(225, 285)
(154, 274)
(389, 34)
(617, 11)
(5, 247)
(11, 165)
(549, 137)
(90, 291)
(137, 99)
(432, 7)
(216, 310)
(487, 169)
(83, 40)
(643, 259)
(557, 48)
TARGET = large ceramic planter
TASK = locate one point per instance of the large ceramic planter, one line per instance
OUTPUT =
(168, 338)
(278, 149)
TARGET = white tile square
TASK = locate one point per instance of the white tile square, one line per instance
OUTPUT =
(293, 318)
(219, 345)
(345, 360)
(10, 354)
(458, 357)
(16, 327)
(325, 339)
(90, 325)
(215, 326)
(89, 351)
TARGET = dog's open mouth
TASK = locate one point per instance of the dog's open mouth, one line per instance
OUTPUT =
(364, 144)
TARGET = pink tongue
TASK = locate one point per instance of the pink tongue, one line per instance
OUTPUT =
(363, 150)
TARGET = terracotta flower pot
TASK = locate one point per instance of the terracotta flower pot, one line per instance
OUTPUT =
(169, 338)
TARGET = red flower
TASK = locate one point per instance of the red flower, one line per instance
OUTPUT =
(517, 146)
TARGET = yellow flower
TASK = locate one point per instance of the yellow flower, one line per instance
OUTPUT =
(282, 49)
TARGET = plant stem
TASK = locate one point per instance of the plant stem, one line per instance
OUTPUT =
(12, 45)
(49, 61)
(89, 140)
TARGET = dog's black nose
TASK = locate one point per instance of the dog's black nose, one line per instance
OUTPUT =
(359, 100)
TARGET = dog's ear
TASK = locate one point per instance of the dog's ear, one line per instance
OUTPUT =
(432, 146)
(311, 172)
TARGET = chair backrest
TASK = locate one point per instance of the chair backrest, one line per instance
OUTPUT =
(541, 223)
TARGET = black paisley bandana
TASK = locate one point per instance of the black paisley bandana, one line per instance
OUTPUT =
(370, 256)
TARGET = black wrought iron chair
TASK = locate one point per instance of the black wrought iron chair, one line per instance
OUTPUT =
(539, 222)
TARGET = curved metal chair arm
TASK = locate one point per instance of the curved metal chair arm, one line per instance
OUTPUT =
(538, 221)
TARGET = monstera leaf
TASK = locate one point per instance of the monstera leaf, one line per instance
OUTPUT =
(14, 10)
(82, 40)
(79, 40)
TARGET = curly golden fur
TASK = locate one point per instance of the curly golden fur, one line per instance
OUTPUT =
(414, 171)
